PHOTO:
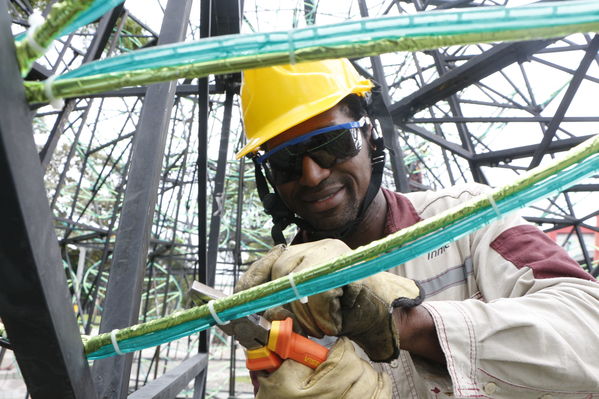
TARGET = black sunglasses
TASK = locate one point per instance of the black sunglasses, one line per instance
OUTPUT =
(326, 146)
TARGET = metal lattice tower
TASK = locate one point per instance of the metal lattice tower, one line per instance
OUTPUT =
(137, 192)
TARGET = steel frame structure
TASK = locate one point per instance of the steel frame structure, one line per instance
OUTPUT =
(142, 196)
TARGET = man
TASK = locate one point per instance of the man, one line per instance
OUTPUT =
(505, 308)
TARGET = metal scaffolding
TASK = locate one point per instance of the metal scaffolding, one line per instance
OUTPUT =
(119, 200)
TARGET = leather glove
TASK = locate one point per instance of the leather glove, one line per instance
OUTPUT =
(367, 312)
(361, 310)
(296, 258)
(259, 271)
(342, 376)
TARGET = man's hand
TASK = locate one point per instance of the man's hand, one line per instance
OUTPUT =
(259, 271)
(361, 310)
(342, 376)
(321, 315)
(367, 312)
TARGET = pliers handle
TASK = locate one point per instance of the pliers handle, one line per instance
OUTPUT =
(283, 343)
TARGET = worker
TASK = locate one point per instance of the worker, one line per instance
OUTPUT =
(503, 312)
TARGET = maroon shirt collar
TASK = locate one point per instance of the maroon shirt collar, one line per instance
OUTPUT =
(400, 212)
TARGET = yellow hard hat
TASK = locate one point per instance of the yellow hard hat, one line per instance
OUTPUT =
(274, 99)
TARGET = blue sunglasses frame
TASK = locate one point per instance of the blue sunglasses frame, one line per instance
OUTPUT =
(304, 137)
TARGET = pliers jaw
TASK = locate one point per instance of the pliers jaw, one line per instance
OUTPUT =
(266, 344)
(251, 331)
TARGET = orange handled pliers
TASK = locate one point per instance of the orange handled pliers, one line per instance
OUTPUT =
(267, 344)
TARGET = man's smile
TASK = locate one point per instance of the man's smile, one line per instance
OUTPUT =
(323, 200)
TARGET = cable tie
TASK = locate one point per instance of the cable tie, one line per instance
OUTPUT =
(55, 102)
(217, 319)
(35, 21)
(291, 45)
(494, 205)
(302, 299)
(115, 344)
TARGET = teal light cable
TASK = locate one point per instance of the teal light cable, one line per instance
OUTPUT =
(432, 24)
(358, 38)
(474, 221)
(62, 17)
(95, 11)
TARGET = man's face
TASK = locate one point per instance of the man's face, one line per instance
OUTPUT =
(328, 198)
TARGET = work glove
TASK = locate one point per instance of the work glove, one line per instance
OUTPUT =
(361, 310)
(343, 375)
(261, 271)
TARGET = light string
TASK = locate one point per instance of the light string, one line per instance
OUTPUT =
(354, 38)
(370, 259)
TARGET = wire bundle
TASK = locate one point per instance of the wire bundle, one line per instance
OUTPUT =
(375, 257)
(64, 17)
(233, 53)
(356, 38)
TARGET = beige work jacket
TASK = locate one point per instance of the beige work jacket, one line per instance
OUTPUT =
(515, 316)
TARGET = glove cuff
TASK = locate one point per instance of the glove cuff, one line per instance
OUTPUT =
(404, 302)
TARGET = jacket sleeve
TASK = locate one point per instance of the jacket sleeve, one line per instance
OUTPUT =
(534, 332)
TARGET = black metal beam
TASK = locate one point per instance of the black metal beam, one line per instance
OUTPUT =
(565, 102)
(47, 151)
(168, 385)
(218, 199)
(494, 157)
(35, 303)
(103, 32)
(94, 52)
(588, 261)
(543, 220)
(440, 141)
(123, 293)
(462, 128)
(109, 144)
(381, 101)
(475, 69)
(502, 119)
(237, 261)
(202, 166)
(584, 188)
(226, 20)
(226, 17)
(561, 67)
(38, 72)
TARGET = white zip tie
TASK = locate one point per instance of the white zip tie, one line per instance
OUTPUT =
(291, 47)
(55, 102)
(35, 20)
(217, 319)
(302, 299)
(494, 205)
(115, 344)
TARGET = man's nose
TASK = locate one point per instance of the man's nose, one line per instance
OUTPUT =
(312, 173)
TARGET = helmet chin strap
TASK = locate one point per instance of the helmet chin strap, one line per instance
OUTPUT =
(283, 216)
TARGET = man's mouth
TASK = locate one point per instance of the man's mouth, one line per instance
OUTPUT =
(323, 201)
(322, 195)
(324, 198)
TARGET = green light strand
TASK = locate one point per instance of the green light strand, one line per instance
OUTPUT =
(61, 15)
(437, 228)
(358, 38)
